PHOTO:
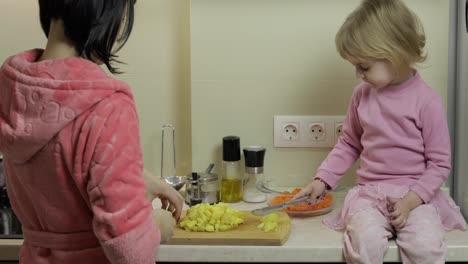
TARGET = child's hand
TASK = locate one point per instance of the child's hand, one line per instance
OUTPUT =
(171, 199)
(166, 223)
(400, 208)
(399, 212)
(316, 189)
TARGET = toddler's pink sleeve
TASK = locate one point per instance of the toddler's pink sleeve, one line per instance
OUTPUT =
(347, 149)
(436, 150)
(122, 216)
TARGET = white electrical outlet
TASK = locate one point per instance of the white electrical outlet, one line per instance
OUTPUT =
(290, 131)
(338, 130)
(287, 131)
(306, 131)
(317, 131)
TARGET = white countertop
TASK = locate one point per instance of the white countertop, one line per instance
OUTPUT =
(309, 241)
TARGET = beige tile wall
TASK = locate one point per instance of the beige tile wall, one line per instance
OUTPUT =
(158, 66)
(221, 67)
(253, 59)
(158, 58)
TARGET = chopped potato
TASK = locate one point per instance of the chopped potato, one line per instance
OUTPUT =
(211, 218)
(269, 222)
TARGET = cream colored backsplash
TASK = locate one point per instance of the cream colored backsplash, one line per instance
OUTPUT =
(253, 59)
(20, 28)
(157, 58)
(226, 67)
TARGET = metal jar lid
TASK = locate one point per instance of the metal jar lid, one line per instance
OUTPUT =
(204, 178)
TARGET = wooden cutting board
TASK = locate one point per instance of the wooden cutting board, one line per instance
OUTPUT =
(246, 234)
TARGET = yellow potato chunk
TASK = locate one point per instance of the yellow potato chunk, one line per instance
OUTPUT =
(211, 218)
(269, 223)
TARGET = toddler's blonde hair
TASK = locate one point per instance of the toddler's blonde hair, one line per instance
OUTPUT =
(382, 29)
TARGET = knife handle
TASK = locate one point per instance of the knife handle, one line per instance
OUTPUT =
(296, 201)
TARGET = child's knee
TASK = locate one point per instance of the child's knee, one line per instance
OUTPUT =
(424, 240)
(371, 237)
(367, 230)
(424, 228)
(426, 248)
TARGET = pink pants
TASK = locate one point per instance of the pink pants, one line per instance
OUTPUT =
(367, 232)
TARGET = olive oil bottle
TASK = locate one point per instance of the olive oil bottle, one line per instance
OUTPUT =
(231, 190)
(232, 176)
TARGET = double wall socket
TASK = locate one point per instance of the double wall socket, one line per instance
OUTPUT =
(307, 131)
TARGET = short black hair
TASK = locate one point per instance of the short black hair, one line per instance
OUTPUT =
(92, 25)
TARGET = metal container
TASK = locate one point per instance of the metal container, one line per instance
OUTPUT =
(2, 174)
(202, 188)
(10, 226)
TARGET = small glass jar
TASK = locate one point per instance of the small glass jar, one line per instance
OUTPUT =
(251, 193)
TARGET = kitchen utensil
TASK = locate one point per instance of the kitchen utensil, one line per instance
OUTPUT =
(168, 158)
(2, 174)
(210, 168)
(10, 226)
(204, 186)
(324, 204)
(193, 189)
(247, 234)
(176, 181)
(273, 208)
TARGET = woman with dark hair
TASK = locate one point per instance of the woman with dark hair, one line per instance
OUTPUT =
(70, 138)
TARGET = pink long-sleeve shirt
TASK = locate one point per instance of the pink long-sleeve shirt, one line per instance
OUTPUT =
(70, 138)
(400, 134)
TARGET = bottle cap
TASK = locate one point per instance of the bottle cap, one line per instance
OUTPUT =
(254, 156)
(231, 148)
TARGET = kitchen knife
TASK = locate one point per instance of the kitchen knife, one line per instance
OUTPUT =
(277, 207)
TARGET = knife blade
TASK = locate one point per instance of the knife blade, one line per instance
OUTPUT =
(277, 207)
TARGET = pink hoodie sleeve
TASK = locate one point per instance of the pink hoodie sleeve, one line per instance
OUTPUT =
(122, 216)
(436, 150)
(347, 149)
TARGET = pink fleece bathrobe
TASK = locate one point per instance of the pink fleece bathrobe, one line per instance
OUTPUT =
(70, 138)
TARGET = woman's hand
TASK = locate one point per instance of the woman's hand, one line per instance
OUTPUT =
(165, 222)
(316, 189)
(400, 208)
(171, 200)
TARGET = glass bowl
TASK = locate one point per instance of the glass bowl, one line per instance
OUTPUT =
(303, 209)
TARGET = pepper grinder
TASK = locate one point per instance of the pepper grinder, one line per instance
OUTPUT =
(254, 156)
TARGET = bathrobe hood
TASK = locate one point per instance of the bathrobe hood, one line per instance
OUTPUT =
(38, 99)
